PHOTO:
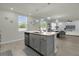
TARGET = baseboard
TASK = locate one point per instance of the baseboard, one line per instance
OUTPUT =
(11, 41)
(73, 35)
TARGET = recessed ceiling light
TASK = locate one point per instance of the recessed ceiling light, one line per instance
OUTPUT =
(11, 8)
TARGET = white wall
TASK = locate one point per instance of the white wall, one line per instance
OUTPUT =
(77, 26)
(9, 30)
(76, 31)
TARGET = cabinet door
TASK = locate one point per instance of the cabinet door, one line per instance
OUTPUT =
(55, 44)
(50, 45)
(37, 43)
(31, 39)
(26, 39)
(43, 45)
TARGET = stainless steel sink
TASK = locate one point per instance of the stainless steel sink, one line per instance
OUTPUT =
(36, 32)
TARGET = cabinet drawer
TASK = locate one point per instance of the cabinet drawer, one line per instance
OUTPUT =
(26, 39)
(37, 43)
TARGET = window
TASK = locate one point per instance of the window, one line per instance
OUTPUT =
(22, 23)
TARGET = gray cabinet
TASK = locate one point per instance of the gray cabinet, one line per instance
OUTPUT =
(37, 43)
(45, 44)
(31, 39)
(26, 38)
(50, 45)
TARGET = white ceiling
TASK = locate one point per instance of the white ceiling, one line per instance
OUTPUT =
(62, 11)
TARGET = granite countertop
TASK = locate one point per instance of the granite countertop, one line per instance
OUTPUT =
(32, 31)
(42, 33)
(47, 33)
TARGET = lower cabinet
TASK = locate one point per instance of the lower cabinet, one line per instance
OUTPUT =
(43, 44)
(47, 45)
(26, 39)
(50, 45)
(37, 43)
(31, 40)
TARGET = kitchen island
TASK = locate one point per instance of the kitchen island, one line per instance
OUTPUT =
(44, 43)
